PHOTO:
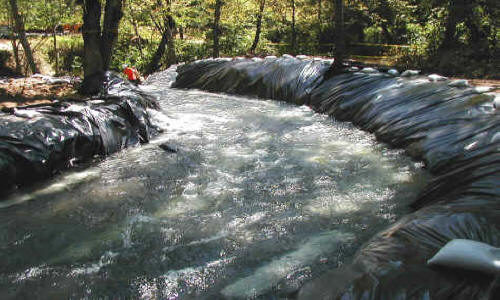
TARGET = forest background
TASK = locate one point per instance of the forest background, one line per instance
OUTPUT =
(452, 37)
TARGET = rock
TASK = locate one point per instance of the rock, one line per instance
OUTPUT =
(483, 89)
(169, 147)
(393, 72)
(409, 73)
(368, 70)
(436, 77)
(459, 83)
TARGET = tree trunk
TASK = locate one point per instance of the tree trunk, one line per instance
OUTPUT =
(171, 56)
(478, 39)
(112, 16)
(385, 32)
(449, 33)
(218, 7)
(170, 27)
(166, 43)
(455, 16)
(155, 60)
(181, 32)
(98, 44)
(56, 55)
(15, 46)
(133, 21)
(262, 4)
(93, 66)
(320, 30)
(19, 27)
(294, 34)
(15, 49)
(340, 47)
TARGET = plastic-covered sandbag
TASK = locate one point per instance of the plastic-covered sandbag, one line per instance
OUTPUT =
(286, 78)
(474, 173)
(36, 142)
(432, 120)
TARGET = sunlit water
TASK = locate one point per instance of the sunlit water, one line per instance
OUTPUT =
(260, 197)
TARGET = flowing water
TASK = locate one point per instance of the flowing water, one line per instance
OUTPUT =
(259, 197)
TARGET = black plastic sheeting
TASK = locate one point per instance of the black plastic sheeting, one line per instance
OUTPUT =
(455, 131)
(38, 141)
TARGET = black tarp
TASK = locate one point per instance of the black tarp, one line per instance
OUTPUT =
(36, 142)
(454, 130)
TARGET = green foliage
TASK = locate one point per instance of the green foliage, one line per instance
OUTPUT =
(373, 34)
(70, 51)
(132, 51)
(418, 27)
(470, 54)
(191, 50)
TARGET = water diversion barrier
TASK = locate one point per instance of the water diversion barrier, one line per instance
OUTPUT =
(38, 141)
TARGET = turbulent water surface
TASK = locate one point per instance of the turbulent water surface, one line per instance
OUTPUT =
(259, 197)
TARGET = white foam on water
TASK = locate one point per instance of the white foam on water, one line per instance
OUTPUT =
(105, 260)
(200, 276)
(30, 273)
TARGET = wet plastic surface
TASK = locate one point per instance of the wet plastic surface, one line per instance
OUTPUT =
(36, 142)
(454, 130)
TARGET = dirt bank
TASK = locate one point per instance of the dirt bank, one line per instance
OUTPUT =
(37, 89)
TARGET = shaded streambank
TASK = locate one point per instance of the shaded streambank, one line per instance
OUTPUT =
(452, 127)
(259, 197)
(37, 141)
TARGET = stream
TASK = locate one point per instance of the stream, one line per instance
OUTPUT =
(246, 198)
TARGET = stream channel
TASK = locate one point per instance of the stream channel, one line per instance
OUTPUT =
(259, 197)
